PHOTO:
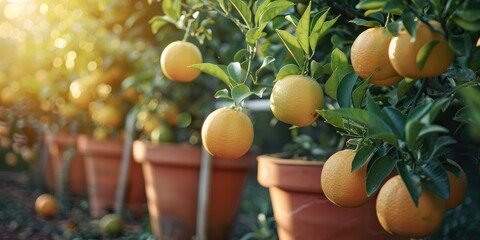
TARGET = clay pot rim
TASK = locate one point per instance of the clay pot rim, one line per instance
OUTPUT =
(281, 159)
(185, 152)
(88, 145)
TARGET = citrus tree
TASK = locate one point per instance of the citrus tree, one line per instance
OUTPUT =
(398, 79)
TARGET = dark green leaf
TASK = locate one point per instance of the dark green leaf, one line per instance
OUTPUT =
(363, 155)
(424, 52)
(332, 84)
(344, 90)
(365, 23)
(289, 69)
(412, 181)
(439, 144)
(379, 170)
(431, 129)
(403, 87)
(293, 46)
(463, 115)
(395, 27)
(436, 179)
(373, 108)
(244, 11)
(359, 93)
(408, 19)
(412, 129)
(473, 26)
(397, 119)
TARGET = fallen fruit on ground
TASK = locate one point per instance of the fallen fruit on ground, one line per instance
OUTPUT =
(46, 205)
(111, 225)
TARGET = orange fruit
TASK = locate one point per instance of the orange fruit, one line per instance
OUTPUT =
(176, 59)
(295, 99)
(403, 52)
(342, 186)
(458, 187)
(369, 55)
(46, 205)
(111, 225)
(11, 159)
(398, 214)
(227, 133)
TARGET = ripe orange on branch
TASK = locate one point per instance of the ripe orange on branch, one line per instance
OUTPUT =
(369, 55)
(295, 99)
(403, 52)
(398, 214)
(227, 133)
(342, 186)
(458, 187)
(176, 59)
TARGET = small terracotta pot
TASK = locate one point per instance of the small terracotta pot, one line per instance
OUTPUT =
(102, 165)
(172, 177)
(58, 145)
(302, 211)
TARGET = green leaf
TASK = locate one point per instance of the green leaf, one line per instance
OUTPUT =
(473, 26)
(292, 45)
(332, 84)
(253, 35)
(172, 8)
(404, 87)
(395, 27)
(397, 118)
(436, 179)
(359, 93)
(323, 31)
(374, 109)
(363, 155)
(215, 71)
(412, 181)
(240, 93)
(264, 16)
(378, 171)
(156, 23)
(303, 30)
(317, 30)
(344, 117)
(412, 129)
(370, 4)
(261, 10)
(266, 61)
(431, 129)
(344, 90)
(340, 62)
(424, 52)
(463, 115)
(244, 11)
(240, 55)
(365, 23)
(439, 144)
(223, 94)
(234, 71)
(289, 69)
(408, 19)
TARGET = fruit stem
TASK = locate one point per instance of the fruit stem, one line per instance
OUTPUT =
(419, 93)
(187, 30)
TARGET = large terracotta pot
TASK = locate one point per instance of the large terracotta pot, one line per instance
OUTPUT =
(172, 178)
(58, 145)
(302, 211)
(102, 165)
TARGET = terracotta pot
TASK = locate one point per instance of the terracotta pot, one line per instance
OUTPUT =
(102, 165)
(302, 211)
(172, 177)
(76, 182)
